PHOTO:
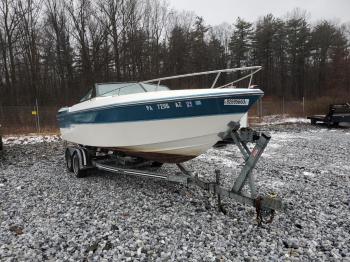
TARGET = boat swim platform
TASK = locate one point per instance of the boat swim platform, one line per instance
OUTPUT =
(80, 159)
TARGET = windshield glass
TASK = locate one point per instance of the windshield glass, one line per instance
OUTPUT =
(151, 87)
(116, 89)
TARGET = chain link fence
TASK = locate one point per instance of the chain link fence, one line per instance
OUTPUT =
(298, 108)
(28, 119)
(279, 106)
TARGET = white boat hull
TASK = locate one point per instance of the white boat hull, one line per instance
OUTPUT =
(186, 137)
(166, 126)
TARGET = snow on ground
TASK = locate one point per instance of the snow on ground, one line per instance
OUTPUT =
(49, 214)
(30, 139)
(279, 119)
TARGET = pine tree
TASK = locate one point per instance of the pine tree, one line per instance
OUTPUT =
(240, 44)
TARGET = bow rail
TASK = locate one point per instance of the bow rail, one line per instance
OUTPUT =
(253, 70)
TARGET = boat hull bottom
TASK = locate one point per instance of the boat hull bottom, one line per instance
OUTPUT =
(158, 157)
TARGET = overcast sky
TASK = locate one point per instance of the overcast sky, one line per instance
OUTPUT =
(216, 12)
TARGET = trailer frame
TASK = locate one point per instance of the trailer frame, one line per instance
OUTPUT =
(80, 159)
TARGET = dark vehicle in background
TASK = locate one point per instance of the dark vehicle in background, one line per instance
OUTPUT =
(337, 114)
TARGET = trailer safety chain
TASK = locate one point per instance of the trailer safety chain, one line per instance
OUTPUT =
(257, 203)
(217, 182)
(259, 212)
(272, 215)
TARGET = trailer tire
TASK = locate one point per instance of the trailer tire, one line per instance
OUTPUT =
(76, 166)
(313, 122)
(69, 160)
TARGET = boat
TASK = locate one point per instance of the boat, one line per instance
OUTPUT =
(148, 120)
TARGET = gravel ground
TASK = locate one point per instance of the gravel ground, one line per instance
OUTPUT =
(49, 214)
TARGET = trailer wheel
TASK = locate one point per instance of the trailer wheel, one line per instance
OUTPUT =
(313, 122)
(69, 163)
(76, 167)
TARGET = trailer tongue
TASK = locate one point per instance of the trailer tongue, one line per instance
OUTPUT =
(81, 159)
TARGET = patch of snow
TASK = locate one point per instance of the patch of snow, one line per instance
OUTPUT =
(277, 184)
(287, 136)
(228, 162)
(305, 173)
(30, 139)
(278, 119)
(274, 146)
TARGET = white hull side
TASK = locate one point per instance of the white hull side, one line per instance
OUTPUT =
(183, 136)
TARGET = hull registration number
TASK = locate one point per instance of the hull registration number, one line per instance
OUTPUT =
(236, 102)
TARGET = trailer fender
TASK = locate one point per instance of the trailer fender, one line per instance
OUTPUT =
(82, 155)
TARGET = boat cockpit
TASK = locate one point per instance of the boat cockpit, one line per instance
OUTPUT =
(119, 89)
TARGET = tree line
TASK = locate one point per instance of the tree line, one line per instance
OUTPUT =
(55, 50)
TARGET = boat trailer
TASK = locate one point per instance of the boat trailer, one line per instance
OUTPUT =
(80, 159)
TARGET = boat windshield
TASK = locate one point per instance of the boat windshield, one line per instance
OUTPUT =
(152, 88)
(119, 89)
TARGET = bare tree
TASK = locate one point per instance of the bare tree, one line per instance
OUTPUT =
(110, 18)
(58, 49)
(9, 33)
(80, 13)
(29, 26)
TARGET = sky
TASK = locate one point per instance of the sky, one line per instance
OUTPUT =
(216, 12)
